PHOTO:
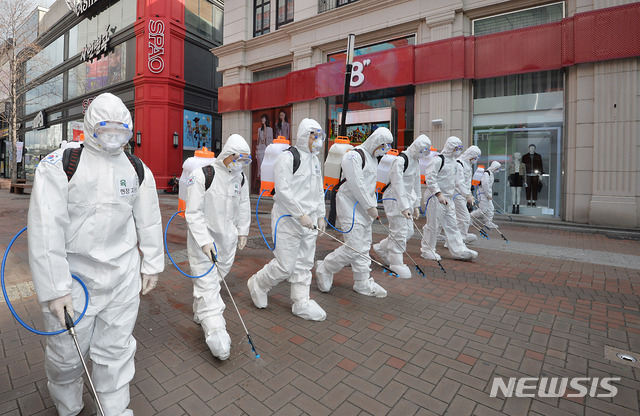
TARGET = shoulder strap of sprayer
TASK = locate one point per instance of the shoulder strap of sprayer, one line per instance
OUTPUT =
(406, 161)
(137, 165)
(442, 164)
(296, 158)
(209, 173)
(71, 158)
(406, 165)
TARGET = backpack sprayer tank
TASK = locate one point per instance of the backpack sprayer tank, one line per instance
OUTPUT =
(384, 168)
(333, 164)
(477, 176)
(271, 153)
(202, 158)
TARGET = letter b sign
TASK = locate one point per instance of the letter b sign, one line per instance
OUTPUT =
(357, 76)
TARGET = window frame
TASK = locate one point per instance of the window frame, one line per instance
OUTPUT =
(513, 12)
(286, 12)
(263, 4)
(340, 3)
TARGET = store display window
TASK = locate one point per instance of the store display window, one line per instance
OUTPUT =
(529, 181)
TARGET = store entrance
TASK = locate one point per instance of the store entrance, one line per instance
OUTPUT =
(528, 182)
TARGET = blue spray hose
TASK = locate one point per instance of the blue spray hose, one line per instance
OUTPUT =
(425, 206)
(275, 232)
(166, 229)
(13, 312)
(353, 216)
(383, 199)
(253, 347)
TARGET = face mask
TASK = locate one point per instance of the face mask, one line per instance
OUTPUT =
(316, 146)
(112, 136)
(239, 162)
(382, 150)
(318, 136)
(235, 167)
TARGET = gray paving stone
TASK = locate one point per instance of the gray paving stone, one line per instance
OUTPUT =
(431, 347)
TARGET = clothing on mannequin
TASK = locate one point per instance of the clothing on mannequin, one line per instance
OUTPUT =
(533, 165)
(265, 138)
(517, 172)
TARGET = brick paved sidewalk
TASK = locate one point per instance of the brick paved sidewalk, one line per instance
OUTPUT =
(433, 346)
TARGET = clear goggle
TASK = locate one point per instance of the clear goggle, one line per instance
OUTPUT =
(242, 158)
(317, 134)
(425, 151)
(112, 127)
(385, 147)
(458, 148)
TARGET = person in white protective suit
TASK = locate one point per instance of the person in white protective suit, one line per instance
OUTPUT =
(401, 201)
(299, 195)
(94, 225)
(464, 198)
(360, 187)
(441, 214)
(485, 210)
(220, 214)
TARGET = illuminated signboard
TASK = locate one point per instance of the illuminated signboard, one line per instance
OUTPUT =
(156, 46)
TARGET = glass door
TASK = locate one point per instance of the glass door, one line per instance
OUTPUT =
(528, 183)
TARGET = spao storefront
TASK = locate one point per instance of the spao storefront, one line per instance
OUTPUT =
(135, 50)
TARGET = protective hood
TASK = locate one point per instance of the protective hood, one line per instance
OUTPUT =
(471, 153)
(305, 128)
(494, 166)
(105, 107)
(421, 143)
(451, 143)
(235, 144)
(379, 136)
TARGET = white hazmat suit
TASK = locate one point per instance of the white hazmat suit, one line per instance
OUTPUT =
(93, 226)
(463, 196)
(485, 196)
(299, 195)
(440, 211)
(220, 215)
(360, 187)
(401, 201)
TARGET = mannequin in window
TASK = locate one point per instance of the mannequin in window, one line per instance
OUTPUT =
(517, 173)
(265, 138)
(283, 128)
(533, 165)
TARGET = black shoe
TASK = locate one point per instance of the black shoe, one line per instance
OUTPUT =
(517, 209)
(533, 204)
(513, 209)
(528, 204)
